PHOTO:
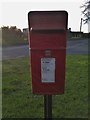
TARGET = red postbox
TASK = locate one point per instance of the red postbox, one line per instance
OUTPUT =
(47, 42)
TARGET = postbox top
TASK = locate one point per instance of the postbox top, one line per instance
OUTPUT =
(45, 20)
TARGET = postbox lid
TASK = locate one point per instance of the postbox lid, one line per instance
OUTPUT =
(40, 20)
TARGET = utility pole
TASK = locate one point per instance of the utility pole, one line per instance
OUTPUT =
(81, 25)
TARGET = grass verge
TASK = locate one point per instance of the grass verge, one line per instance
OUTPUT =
(19, 102)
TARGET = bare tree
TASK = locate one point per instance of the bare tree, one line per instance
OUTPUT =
(86, 11)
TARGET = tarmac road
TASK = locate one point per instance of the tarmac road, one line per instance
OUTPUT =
(73, 47)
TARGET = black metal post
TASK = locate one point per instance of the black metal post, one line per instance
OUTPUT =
(48, 107)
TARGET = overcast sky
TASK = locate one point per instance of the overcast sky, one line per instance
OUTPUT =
(15, 13)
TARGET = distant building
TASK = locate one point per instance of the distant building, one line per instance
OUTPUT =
(25, 31)
(76, 34)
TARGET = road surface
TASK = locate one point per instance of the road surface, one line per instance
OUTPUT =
(73, 47)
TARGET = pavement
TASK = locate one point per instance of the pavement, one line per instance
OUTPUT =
(73, 47)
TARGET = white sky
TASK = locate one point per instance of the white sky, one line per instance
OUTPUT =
(15, 13)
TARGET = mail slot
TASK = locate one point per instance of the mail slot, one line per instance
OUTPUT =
(47, 43)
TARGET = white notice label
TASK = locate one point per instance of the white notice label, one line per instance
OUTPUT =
(48, 70)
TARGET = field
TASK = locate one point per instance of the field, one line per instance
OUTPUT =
(19, 102)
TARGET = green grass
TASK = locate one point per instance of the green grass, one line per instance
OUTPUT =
(19, 102)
